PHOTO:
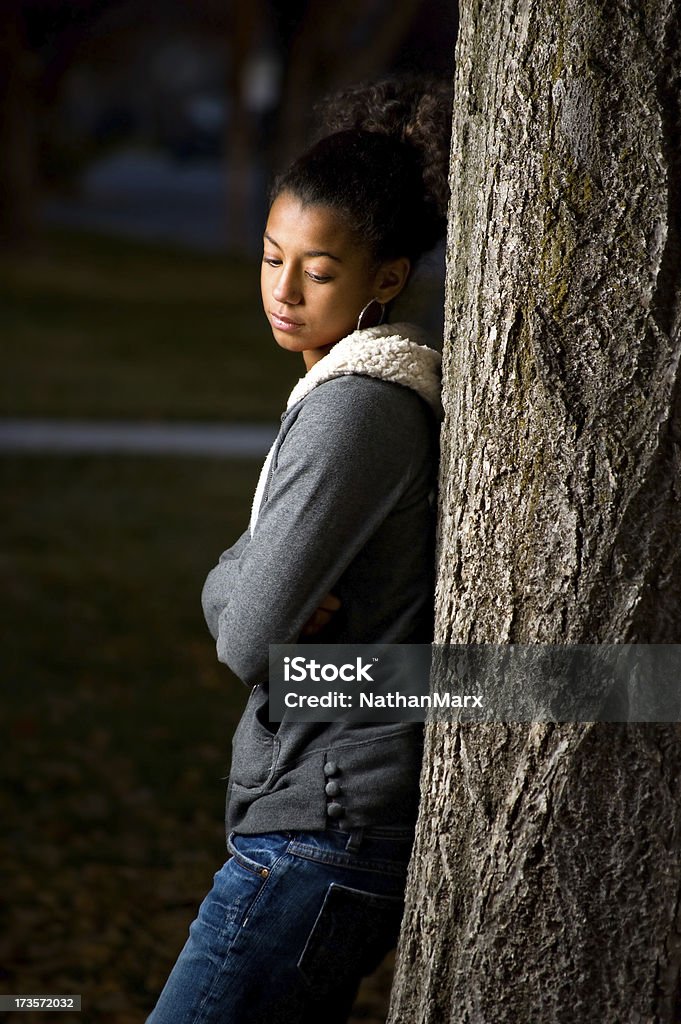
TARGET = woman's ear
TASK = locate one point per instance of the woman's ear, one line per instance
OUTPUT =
(391, 277)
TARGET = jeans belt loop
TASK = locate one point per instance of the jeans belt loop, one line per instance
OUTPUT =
(354, 840)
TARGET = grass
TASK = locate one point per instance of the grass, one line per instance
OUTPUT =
(99, 327)
(118, 718)
(104, 559)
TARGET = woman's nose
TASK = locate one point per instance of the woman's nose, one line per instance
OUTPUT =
(287, 288)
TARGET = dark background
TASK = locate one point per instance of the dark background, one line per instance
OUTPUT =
(136, 142)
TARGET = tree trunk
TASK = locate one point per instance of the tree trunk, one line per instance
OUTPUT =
(245, 27)
(546, 879)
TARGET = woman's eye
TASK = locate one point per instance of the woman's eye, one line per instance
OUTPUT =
(272, 261)
(319, 278)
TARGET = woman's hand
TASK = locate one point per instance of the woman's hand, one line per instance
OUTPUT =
(322, 616)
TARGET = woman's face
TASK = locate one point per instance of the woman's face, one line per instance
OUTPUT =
(315, 278)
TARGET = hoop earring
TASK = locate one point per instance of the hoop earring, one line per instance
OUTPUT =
(381, 318)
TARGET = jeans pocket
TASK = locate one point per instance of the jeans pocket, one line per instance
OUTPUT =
(257, 854)
(351, 934)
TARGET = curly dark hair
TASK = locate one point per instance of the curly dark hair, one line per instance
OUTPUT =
(382, 164)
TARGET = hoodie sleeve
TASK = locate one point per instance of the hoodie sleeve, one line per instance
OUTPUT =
(341, 468)
(220, 581)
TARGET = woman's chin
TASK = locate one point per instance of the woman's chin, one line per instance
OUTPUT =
(288, 342)
(298, 343)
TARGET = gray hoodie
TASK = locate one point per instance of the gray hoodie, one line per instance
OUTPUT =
(343, 505)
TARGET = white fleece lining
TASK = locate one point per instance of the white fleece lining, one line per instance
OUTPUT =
(389, 352)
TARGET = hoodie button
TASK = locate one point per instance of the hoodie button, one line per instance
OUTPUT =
(332, 788)
(335, 810)
(330, 768)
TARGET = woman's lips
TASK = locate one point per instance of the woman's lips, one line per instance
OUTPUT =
(283, 323)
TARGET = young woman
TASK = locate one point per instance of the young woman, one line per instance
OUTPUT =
(339, 549)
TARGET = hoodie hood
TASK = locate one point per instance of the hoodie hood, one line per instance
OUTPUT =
(393, 352)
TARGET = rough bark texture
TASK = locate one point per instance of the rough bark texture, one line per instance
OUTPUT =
(545, 885)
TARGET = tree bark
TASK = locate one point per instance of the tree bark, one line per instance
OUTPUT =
(546, 879)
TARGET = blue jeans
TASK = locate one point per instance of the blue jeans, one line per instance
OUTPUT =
(293, 922)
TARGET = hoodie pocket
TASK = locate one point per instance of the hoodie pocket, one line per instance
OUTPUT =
(255, 749)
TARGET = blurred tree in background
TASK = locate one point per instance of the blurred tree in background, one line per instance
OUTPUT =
(17, 142)
(237, 80)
